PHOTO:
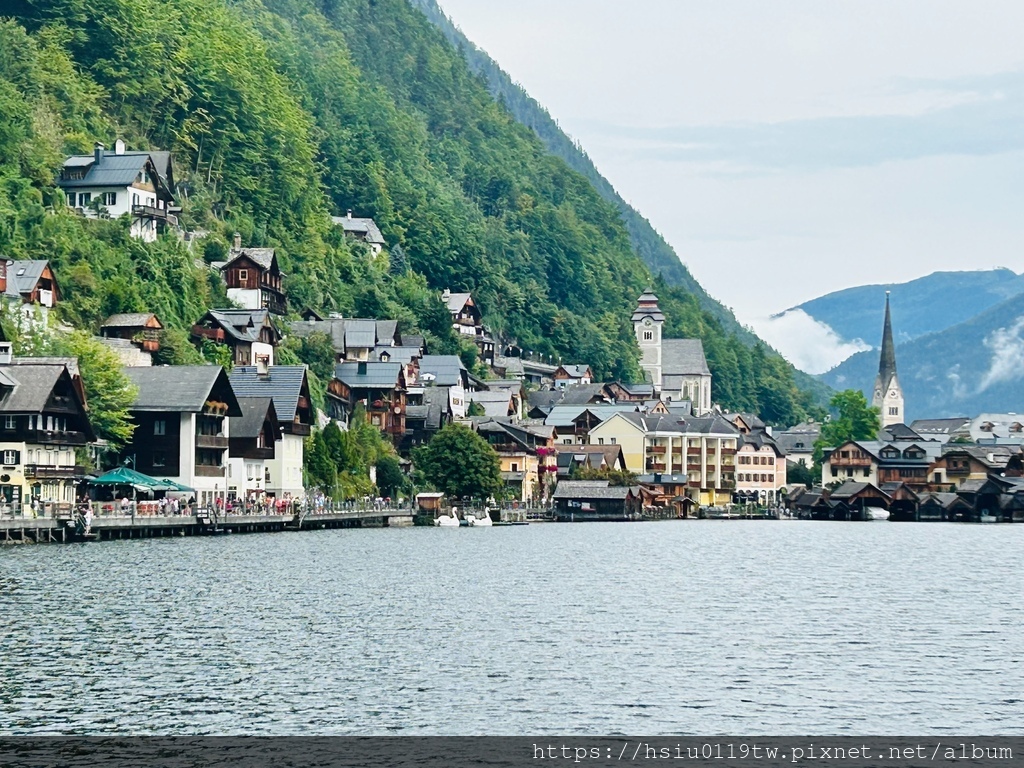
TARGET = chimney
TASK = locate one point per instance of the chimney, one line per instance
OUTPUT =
(447, 294)
(236, 241)
(6, 352)
(991, 458)
(350, 213)
(97, 153)
(4, 263)
(119, 147)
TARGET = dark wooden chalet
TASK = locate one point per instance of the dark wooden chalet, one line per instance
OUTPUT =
(253, 434)
(141, 328)
(380, 387)
(30, 281)
(250, 333)
(43, 419)
(255, 273)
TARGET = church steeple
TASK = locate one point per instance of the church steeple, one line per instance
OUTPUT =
(647, 325)
(888, 395)
(887, 360)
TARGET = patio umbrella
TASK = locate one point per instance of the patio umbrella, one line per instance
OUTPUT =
(129, 477)
(170, 485)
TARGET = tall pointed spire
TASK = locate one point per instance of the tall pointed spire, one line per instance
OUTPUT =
(887, 360)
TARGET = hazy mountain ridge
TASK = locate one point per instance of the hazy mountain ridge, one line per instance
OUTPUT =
(926, 305)
(971, 367)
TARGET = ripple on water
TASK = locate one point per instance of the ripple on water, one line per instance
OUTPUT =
(660, 628)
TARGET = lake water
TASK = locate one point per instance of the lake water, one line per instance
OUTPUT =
(677, 627)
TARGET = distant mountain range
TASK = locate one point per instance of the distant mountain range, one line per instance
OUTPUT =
(962, 335)
(926, 305)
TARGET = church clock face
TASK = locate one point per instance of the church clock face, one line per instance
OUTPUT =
(647, 322)
(892, 393)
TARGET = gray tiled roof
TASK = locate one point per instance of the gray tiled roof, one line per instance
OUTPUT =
(23, 275)
(579, 394)
(495, 404)
(683, 357)
(112, 171)
(938, 426)
(31, 387)
(182, 388)
(456, 301)
(576, 371)
(254, 414)
(564, 415)
(360, 334)
(360, 227)
(412, 340)
(264, 257)
(283, 383)
(586, 489)
(374, 375)
(651, 309)
(241, 324)
(404, 355)
(437, 400)
(387, 330)
(125, 320)
(447, 370)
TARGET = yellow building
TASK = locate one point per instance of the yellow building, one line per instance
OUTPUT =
(698, 451)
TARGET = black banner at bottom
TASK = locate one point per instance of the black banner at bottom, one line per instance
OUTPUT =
(518, 751)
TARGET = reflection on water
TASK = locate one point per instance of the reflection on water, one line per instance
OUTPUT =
(693, 627)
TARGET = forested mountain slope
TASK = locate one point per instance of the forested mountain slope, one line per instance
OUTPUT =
(283, 112)
(655, 251)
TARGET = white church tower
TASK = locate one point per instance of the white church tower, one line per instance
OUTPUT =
(647, 325)
(888, 395)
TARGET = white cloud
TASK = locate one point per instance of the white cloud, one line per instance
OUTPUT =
(809, 344)
(1007, 355)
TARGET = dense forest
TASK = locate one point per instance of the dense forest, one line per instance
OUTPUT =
(283, 112)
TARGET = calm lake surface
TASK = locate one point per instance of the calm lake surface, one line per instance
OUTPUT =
(675, 627)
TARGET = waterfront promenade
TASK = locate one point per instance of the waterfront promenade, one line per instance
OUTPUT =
(143, 520)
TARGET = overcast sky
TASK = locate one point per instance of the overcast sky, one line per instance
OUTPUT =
(789, 149)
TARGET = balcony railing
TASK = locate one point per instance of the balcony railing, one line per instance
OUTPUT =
(657, 449)
(151, 212)
(205, 470)
(211, 441)
(51, 472)
(214, 334)
(54, 437)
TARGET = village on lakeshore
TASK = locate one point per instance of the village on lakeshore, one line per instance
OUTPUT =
(230, 444)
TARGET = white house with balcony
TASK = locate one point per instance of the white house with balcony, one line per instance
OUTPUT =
(110, 184)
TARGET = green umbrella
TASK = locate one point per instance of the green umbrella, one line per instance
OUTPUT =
(176, 487)
(126, 476)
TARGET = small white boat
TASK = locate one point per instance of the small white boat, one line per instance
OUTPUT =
(478, 522)
(448, 521)
(876, 513)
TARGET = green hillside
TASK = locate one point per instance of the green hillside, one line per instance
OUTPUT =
(283, 112)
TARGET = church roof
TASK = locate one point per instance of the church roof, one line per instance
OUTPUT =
(647, 306)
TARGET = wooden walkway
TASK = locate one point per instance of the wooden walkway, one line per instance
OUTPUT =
(43, 530)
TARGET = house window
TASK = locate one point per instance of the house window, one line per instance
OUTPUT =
(11, 457)
(867, 471)
(515, 466)
(159, 427)
(243, 275)
(110, 198)
(612, 440)
(159, 459)
(600, 441)
(84, 198)
(10, 422)
(71, 199)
